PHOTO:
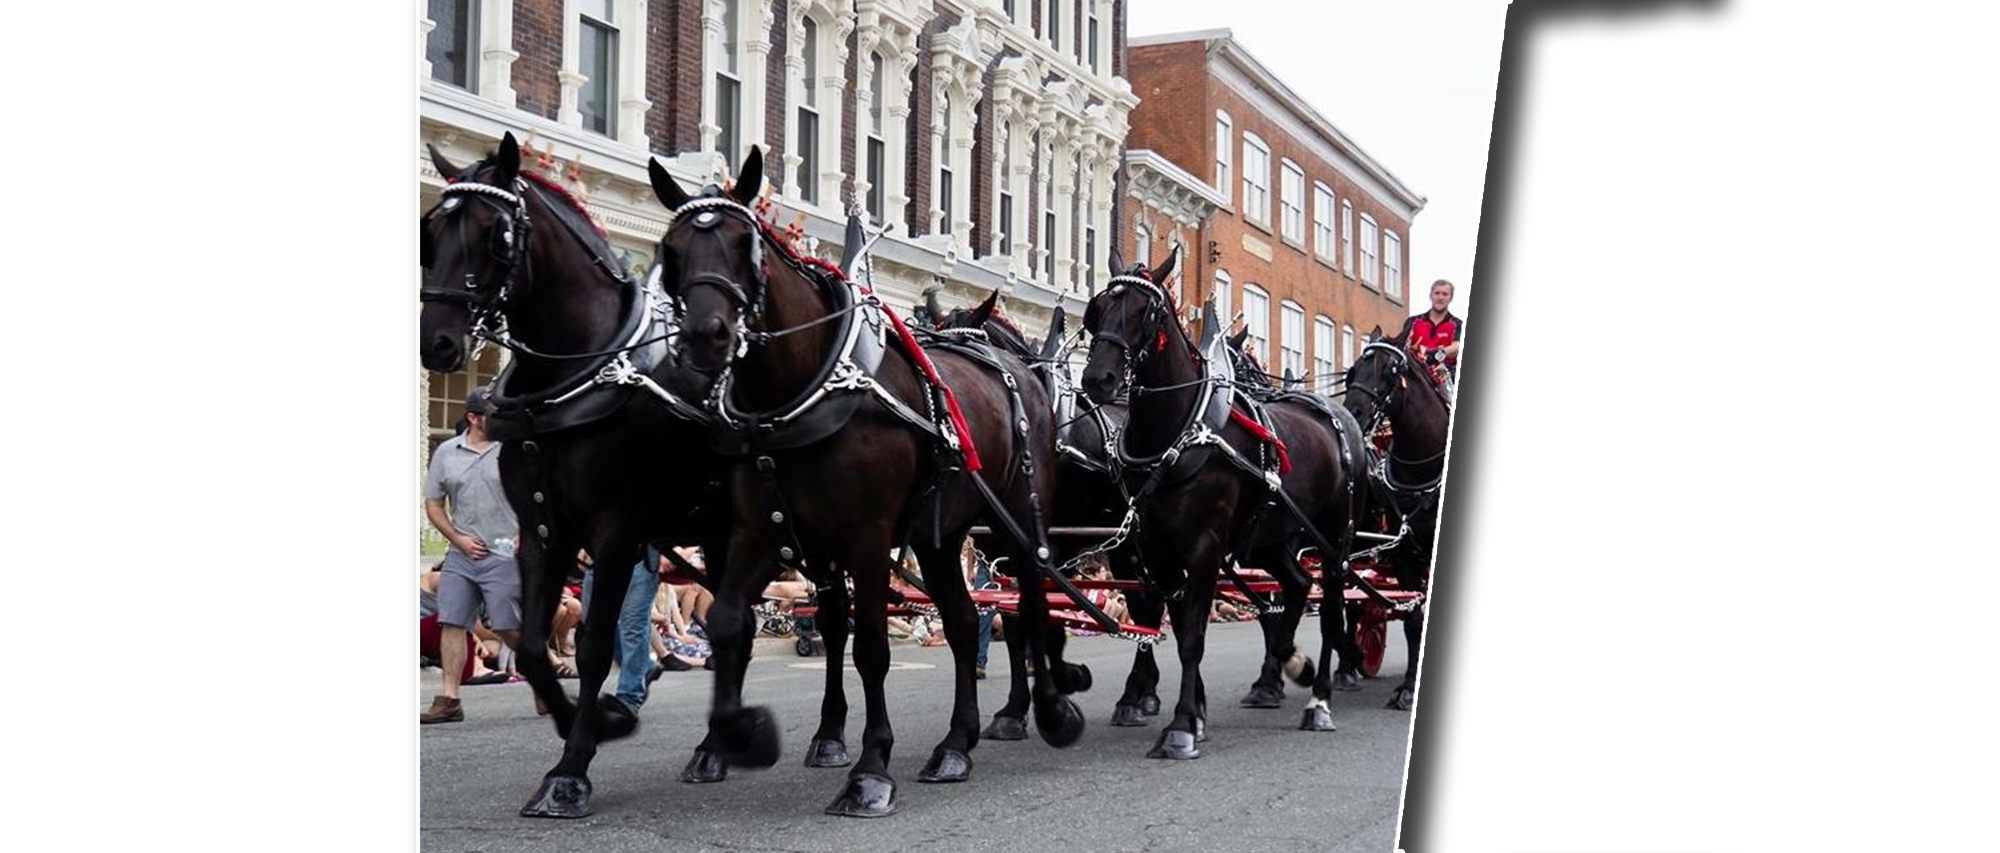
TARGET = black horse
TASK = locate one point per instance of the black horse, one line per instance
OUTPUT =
(1386, 382)
(1206, 481)
(839, 445)
(594, 442)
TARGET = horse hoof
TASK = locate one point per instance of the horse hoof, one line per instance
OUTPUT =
(827, 752)
(1149, 705)
(615, 719)
(1175, 744)
(1318, 718)
(1201, 730)
(1264, 696)
(947, 765)
(1127, 716)
(750, 738)
(1347, 682)
(1060, 722)
(565, 797)
(1006, 727)
(1076, 679)
(867, 795)
(1307, 672)
(706, 766)
(1404, 700)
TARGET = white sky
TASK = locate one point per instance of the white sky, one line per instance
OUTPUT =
(1412, 83)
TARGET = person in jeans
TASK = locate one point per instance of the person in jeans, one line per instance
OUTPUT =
(464, 501)
(635, 642)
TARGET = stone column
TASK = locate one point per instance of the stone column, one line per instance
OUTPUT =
(632, 102)
(496, 51)
(1065, 203)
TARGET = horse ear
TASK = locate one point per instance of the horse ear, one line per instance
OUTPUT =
(1375, 335)
(1054, 340)
(1117, 261)
(985, 309)
(1236, 340)
(750, 178)
(508, 161)
(1165, 271)
(1092, 315)
(665, 187)
(444, 167)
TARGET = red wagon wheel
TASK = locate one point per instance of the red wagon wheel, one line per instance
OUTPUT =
(1373, 635)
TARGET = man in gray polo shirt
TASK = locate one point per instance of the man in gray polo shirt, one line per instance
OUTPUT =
(463, 499)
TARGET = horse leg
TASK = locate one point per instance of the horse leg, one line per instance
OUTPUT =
(565, 790)
(1280, 626)
(1190, 636)
(541, 591)
(1056, 717)
(1011, 721)
(951, 760)
(870, 791)
(1140, 699)
(745, 737)
(829, 744)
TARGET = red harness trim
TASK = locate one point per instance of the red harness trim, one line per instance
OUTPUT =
(1265, 435)
(566, 195)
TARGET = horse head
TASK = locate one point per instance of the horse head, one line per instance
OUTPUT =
(1128, 322)
(1376, 378)
(712, 264)
(473, 247)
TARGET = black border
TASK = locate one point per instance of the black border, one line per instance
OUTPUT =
(1535, 29)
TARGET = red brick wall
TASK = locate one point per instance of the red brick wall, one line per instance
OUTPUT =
(774, 97)
(538, 38)
(850, 127)
(1170, 79)
(673, 77)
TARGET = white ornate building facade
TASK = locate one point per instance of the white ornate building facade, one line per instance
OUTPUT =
(988, 133)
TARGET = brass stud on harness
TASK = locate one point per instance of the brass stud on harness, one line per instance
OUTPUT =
(539, 497)
(777, 517)
(542, 530)
(785, 552)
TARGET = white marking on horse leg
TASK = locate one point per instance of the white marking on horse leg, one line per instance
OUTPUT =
(1295, 664)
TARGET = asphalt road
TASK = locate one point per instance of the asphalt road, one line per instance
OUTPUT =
(1260, 784)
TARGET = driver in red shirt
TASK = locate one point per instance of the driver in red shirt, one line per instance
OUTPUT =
(1437, 334)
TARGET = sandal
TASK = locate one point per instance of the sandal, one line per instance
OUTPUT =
(489, 678)
(564, 669)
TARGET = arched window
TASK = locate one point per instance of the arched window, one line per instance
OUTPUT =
(1142, 244)
(1291, 339)
(1324, 372)
(943, 157)
(807, 140)
(877, 149)
(729, 84)
(1222, 310)
(1257, 321)
(1004, 216)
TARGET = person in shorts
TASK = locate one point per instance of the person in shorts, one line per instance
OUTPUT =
(463, 499)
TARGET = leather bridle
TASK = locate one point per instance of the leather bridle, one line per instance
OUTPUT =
(704, 214)
(1155, 319)
(506, 241)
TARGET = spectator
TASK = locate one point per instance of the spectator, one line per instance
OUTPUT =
(429, 634)
(1438, 335)
(464, 501)
(978, 575)
(635, 650)
(675, 642)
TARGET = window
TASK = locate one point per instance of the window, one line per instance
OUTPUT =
(1142, 245)
(1256, 180)
(1052, 22)
(597, 61)
(944, 164)
(1323, 369)
(445, 393)
(1323, 221)
(1368, 249)
(1089, 181)
(1049, 216)
(1347, 235)
(728, 86)
(1257, 321)
(450, 47)
(1347, 343)
(877, 150)
(1006, 217)
(1008, 7)
(807, 143)
(1392, 264)
(1090, 38)
(1292, 340)
(1222, 311)
(1225, 142)
(1292, 202)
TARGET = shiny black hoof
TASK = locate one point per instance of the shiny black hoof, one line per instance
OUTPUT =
(827, 752)
(750, 738)
(1347, 682)
(1307, 672)
(1006, 727)
(706, 766)
(614, 718)
(947, 765)
(1149, 705)
(1404, 700)
(1264, 696)
(1060, 722)
(867, 795)
(1127, 716)
(1075, 679)
(1201, 730)
(1175, 744)
(561, 797)
(1318, 718)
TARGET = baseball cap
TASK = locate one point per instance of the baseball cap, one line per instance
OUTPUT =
(480, 401)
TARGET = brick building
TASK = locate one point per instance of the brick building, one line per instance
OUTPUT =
(988, 132)
(1284, 217)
